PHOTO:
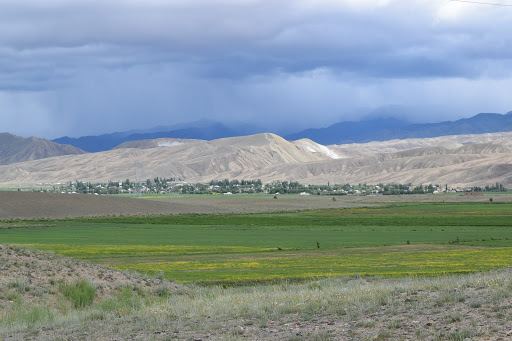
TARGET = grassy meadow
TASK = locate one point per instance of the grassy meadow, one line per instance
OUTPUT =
(392, 241)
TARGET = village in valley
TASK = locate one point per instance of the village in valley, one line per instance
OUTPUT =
(164, 186)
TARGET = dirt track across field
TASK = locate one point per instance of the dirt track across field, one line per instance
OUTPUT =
(31, 205)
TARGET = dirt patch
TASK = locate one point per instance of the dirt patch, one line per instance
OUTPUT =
(36, 205)
(33, 205)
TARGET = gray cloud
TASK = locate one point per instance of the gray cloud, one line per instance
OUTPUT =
(96, 66)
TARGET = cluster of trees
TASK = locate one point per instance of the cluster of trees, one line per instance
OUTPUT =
(397, 189)
(172, 185)
(495, 188)
(293, 187)
(114, 187)
(235, 186)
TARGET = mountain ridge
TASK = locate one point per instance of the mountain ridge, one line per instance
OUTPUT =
(15, 149)
(372, 129)
(384, 129)
(206, 131)
(479, 160)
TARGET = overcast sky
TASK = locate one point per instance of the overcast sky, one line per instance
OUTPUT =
(77, 67)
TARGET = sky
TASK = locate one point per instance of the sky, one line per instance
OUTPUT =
(85, 67)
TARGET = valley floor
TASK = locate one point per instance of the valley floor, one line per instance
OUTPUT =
(42, 298)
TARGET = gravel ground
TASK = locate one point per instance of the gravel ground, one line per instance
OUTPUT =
(35, 276)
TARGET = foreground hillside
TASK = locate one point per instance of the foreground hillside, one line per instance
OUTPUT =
(32, 307)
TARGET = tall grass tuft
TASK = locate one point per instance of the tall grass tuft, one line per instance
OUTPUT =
(81, 293)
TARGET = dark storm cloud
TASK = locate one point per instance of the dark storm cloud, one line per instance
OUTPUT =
(252, 37)
(117, 61)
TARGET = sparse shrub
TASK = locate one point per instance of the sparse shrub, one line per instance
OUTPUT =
(12, 296)
(108, 304)
(28, 315)
(475, 304)
(365, 324)
(384, 335)
(395, 325)
(460, 335)
(162, 290)
(97, 316)
(81, 293)
(453, 318)
(138, 290)
(20, 284)
(314, 286)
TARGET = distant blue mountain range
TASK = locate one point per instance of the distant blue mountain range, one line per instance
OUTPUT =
(383, 129)
(203, 131)
(376, 129)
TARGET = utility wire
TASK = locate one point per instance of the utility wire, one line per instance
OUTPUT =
(482, 3)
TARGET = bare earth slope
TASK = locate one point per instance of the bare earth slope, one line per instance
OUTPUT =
(18, 149)
(163, 142)
(458, 161)
(465, 166)
(229, 157)
(40, 272)
(392, 146)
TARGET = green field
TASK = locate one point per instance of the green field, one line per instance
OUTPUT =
(396, 240)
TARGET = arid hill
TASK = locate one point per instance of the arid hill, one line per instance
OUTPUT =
(229, 157)
(458, 161)
(164, 142)
(18, 149)
(449, 142)
(460, 167)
